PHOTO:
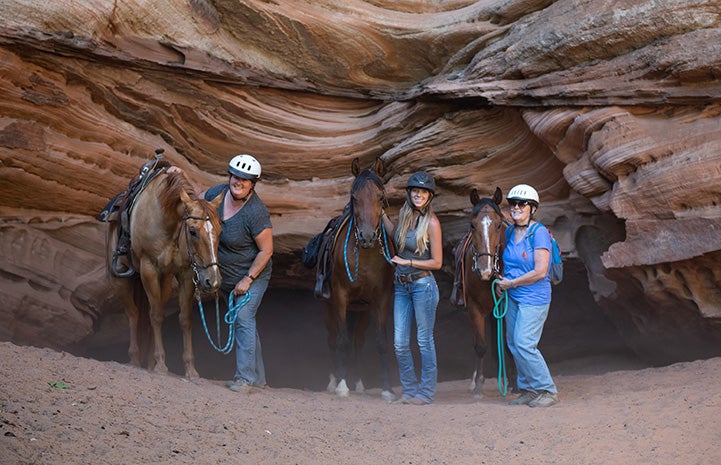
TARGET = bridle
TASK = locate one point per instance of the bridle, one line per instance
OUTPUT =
(379, 234)
(196, 267)
(495, 263)
(495, 256)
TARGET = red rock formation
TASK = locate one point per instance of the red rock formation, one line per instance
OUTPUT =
(611, 109)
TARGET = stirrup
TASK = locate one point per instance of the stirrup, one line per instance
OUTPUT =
(114, 268)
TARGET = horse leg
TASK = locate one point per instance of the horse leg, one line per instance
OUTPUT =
(124, 288)
(153, 288)
(381, 341)
(331, 328)
(360, 322)
(186, 292)
(480, 347)
(342, 342)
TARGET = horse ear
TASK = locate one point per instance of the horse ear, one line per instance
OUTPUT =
(474, 196)
(498, 196)
(215, 203)
(380, 167)
(184, 195)
(355, 166)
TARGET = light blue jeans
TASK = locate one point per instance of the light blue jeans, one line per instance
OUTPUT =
(248, 355)
(524, 325)
(417, 299)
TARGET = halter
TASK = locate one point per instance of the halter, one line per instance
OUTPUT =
(495, 264)
(379, 232)
(496, 255)
(191, 258)
(382, 240)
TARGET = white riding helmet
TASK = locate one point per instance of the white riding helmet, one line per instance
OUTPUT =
(245, 166)
(524, 192)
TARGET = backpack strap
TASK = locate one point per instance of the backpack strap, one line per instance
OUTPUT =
(509, 232)
(532, 233)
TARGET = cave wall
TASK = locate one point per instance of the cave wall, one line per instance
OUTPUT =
(609, 108)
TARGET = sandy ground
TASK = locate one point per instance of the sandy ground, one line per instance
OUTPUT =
(61, 409)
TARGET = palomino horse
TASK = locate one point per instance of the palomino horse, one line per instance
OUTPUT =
(172, 235)
(361, 281)
(482, 263)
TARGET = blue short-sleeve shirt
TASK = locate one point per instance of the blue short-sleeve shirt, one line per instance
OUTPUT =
(518, 260)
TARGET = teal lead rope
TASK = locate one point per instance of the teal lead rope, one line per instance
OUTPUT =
(500, 307)
(230, 316)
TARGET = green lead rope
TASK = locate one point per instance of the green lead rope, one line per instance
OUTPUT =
(500, 307)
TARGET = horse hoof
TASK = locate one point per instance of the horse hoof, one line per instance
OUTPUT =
(388, 396)
(332, 384)
(359, 387)
(342, 389)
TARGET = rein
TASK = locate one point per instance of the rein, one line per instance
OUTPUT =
(230, 316)
(382, 240)
(500, 307)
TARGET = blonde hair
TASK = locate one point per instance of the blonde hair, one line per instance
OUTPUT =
(405, 224)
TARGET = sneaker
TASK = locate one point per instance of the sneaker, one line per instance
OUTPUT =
(546, 399)
(525, 398)
(240, 385)
(418, 401)
(402, 400)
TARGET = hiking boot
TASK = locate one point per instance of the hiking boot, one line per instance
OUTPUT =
(546, 399)
(240, 385)
(524, 399)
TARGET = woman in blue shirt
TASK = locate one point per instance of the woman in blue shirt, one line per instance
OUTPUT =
(525, 267)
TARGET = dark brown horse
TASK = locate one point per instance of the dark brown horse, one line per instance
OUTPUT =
(482, 263)
(361, 281)
(172, 236)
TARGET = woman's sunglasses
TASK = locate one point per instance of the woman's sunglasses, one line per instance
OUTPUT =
(517, 203)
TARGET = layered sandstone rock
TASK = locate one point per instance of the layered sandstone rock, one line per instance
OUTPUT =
(610, 109)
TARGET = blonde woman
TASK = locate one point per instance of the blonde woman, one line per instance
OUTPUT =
(418, 241)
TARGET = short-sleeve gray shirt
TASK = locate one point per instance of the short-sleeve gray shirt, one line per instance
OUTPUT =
(237, 248)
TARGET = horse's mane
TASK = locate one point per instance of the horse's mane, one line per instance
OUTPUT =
(169, 197)
(363, 176)
(486, 201)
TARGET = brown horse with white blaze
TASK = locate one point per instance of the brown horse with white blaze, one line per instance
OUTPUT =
(361, 281)
(173, 236)
(482, 263)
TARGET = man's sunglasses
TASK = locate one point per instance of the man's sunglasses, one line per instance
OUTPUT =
(517, 203)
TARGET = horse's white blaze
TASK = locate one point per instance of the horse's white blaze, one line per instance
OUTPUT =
(213, 246)
(487, 222)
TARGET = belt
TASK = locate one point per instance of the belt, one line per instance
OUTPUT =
(410, 277)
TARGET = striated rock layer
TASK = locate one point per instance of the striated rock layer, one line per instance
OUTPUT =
(611, 109)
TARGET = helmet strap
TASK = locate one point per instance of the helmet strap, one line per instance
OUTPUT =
(423, 210)
(245, 197)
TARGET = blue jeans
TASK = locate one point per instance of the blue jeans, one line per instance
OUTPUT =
(524, 325)
(248, 355)
(417, 299)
